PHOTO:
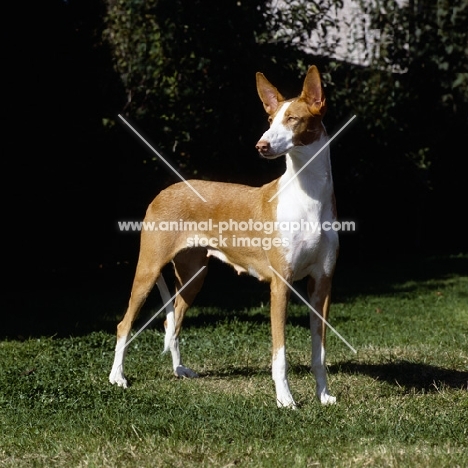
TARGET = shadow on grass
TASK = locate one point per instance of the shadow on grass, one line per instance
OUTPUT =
(236, 371)
(423, 378)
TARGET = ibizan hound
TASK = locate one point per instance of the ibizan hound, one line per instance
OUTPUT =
(304, 193)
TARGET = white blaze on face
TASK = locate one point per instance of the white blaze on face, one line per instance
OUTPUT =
(278, 136)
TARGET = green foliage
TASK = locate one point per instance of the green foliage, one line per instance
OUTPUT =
(418, 70)
(294, 23)
(440, 42)
(181, 64)
(188, 68)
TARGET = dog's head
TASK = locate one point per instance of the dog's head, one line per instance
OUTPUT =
(293, 122)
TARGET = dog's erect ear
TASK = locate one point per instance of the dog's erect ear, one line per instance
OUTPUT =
(269, 95)
(312, 92)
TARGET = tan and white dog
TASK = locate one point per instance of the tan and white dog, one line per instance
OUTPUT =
(304, 193)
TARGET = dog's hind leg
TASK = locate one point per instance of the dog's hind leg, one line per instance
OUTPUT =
(147, 272)
(186, 263)
(279, 293)
(319, 289)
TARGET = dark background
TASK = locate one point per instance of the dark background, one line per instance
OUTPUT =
(68, 179)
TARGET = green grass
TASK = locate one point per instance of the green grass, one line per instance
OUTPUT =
(402, 399)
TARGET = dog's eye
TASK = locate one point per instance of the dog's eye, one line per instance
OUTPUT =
(292, 119)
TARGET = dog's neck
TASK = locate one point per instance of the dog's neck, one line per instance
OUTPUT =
(308, 169)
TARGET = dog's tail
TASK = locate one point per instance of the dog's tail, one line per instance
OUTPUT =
(170, 320)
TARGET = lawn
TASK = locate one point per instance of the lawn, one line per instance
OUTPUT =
(402, 399)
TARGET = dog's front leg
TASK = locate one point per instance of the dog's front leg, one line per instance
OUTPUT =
(319, 296)
(279, 304)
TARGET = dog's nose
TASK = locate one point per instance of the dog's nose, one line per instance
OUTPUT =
(262, 146)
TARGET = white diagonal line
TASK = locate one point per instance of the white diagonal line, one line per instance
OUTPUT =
(162, 158)
(161, 309)
(314, 311)
(312, 158)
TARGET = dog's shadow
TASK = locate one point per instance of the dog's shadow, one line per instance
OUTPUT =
(423, 378)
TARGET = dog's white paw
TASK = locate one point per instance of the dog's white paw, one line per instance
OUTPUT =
(117, 377)
(182, 371)
(290, 404)
(284, 398)
(326, 399)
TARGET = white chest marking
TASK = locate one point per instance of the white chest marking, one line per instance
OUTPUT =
(303, 206)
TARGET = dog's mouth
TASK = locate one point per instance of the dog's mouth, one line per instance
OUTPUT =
(267, 152)
(271, 155)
